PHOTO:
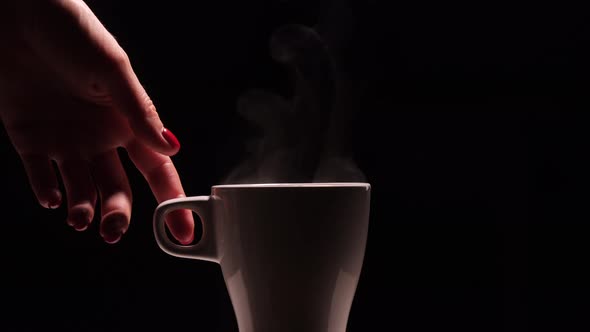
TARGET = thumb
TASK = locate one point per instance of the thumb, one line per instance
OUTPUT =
(130, 98)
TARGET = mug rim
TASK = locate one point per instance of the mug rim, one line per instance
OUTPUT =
(295, 185)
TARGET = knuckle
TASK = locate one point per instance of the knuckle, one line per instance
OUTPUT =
(151, 113)
(163, 170)
(120, 59)
(116, 61)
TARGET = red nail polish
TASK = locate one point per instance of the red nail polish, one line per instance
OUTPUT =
(170, 138)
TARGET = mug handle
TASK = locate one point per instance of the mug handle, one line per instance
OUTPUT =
(206, 248)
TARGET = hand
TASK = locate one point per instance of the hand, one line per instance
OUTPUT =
(69, 96)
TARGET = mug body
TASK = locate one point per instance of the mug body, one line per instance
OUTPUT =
(291, 254)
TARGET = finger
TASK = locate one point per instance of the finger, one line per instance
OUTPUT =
(129, 97)
(115, 195)
(163, 179)
(80, 192)
(43, 180)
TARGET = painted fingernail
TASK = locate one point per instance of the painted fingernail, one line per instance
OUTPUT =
(170, 138)
(54, 200)
(113, 227)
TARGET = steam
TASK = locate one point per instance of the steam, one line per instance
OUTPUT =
(307, 137)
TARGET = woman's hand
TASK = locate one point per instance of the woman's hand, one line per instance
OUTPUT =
(68, 94)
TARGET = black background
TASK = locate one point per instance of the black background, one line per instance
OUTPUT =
(472, 130)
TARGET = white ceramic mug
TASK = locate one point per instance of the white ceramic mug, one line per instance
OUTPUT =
(290, 253)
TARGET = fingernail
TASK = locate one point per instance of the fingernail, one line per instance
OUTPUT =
(113, 227)
(79, 218)
(112, 238)
(54, 199)
(170, 138)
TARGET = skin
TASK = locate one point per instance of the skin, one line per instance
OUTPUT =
(70, 102)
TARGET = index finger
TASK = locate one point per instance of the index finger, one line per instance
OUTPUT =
(163, 179)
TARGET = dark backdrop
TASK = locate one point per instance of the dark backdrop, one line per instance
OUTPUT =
(471, 127)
